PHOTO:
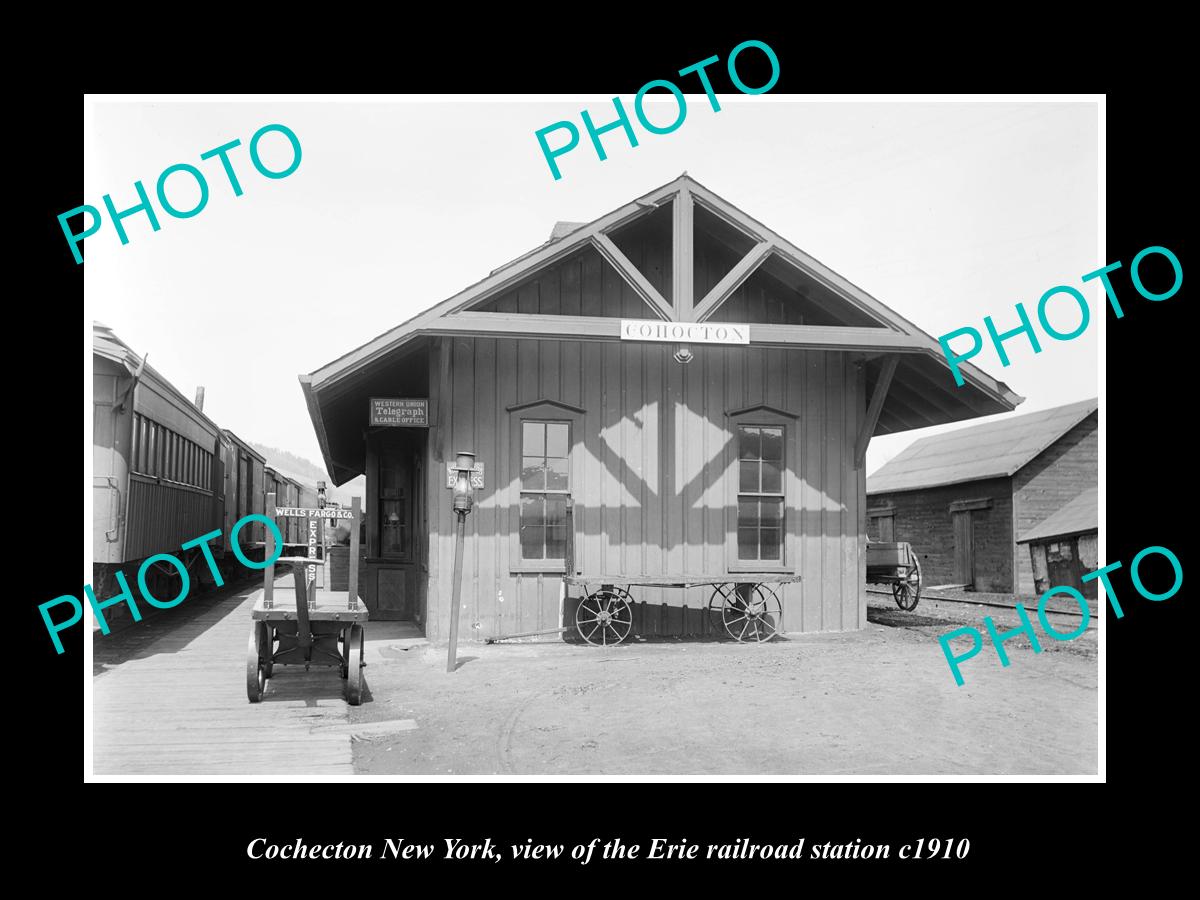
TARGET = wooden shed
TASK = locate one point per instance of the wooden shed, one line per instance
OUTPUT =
(701, 388)
(1063, 548)
(963, 498)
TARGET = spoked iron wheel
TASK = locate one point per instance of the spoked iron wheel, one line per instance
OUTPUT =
(258, 661)
(354, 665)
(752, 614)
(604, 617)
(907, 592)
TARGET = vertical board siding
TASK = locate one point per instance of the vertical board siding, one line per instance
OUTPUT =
(653, 473)
(164, 516)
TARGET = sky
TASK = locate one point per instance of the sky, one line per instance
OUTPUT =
(944, 211)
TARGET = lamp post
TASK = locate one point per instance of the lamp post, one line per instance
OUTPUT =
(462, 508)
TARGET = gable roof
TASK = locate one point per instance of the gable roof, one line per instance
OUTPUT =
(997, 449)
(922, 393)
(1078, 516)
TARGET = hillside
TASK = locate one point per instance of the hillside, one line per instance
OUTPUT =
(308, 472)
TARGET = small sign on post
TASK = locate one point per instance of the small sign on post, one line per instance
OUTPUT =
(400, 412)
(476, 476)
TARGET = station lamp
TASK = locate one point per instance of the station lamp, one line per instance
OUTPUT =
(463, 501)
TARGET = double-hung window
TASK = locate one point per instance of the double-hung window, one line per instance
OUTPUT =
(545, 487)
(760, 499)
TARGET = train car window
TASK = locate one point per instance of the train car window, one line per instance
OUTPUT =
(143, 445)
(135, 441)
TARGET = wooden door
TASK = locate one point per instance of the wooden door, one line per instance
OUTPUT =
(886, 531)
(1062, 564)
(398, 541)
(964, 549)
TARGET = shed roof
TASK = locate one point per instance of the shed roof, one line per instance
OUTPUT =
(1079, 516)
(994, 450)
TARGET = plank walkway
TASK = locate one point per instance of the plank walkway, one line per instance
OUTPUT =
(171, 700)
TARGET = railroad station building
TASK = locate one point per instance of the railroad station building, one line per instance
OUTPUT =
(702, 389)
(964, 499)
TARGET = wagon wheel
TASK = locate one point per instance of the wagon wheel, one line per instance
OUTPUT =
(354, 663)
(604, 617)
(907, 592)
(257, 650)
(755, 616)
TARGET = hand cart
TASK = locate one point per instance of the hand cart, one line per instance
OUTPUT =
(744, 605)
(295, 630)
(895, 563)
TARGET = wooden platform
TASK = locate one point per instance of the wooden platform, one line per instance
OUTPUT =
(685, 580)
(177, 705)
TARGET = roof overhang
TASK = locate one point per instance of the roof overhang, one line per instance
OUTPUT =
(921, 393)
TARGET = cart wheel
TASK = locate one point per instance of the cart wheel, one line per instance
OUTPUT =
(604, 617)
(268, 651)
(907, 593)
(256, 671)
(753, 616)
(354, 664)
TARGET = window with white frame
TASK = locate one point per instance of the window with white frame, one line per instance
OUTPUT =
(760, 500)
(545, 487)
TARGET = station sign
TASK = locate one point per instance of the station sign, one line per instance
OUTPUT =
(411, 412)
(300, 512)
(684, 332)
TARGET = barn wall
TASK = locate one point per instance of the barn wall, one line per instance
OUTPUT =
(1057, 475)
(652, 472)
(923, 519)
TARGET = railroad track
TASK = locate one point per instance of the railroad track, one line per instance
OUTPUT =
(940, 598)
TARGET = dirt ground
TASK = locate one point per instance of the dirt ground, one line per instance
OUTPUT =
(873, 702)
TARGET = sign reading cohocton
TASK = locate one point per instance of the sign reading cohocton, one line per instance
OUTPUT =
(684, 332)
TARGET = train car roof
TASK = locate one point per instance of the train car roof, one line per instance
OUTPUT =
(245, 445)
(106, 344)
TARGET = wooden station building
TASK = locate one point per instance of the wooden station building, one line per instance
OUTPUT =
(701, 388)
(964, 499)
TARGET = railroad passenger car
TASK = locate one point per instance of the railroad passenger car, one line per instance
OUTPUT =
(244, 484)
(289, 496)
(157, 468)
(701, 389)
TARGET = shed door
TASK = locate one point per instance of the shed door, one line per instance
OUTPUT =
(1062, 563)
(886, 531)
(964, 549)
